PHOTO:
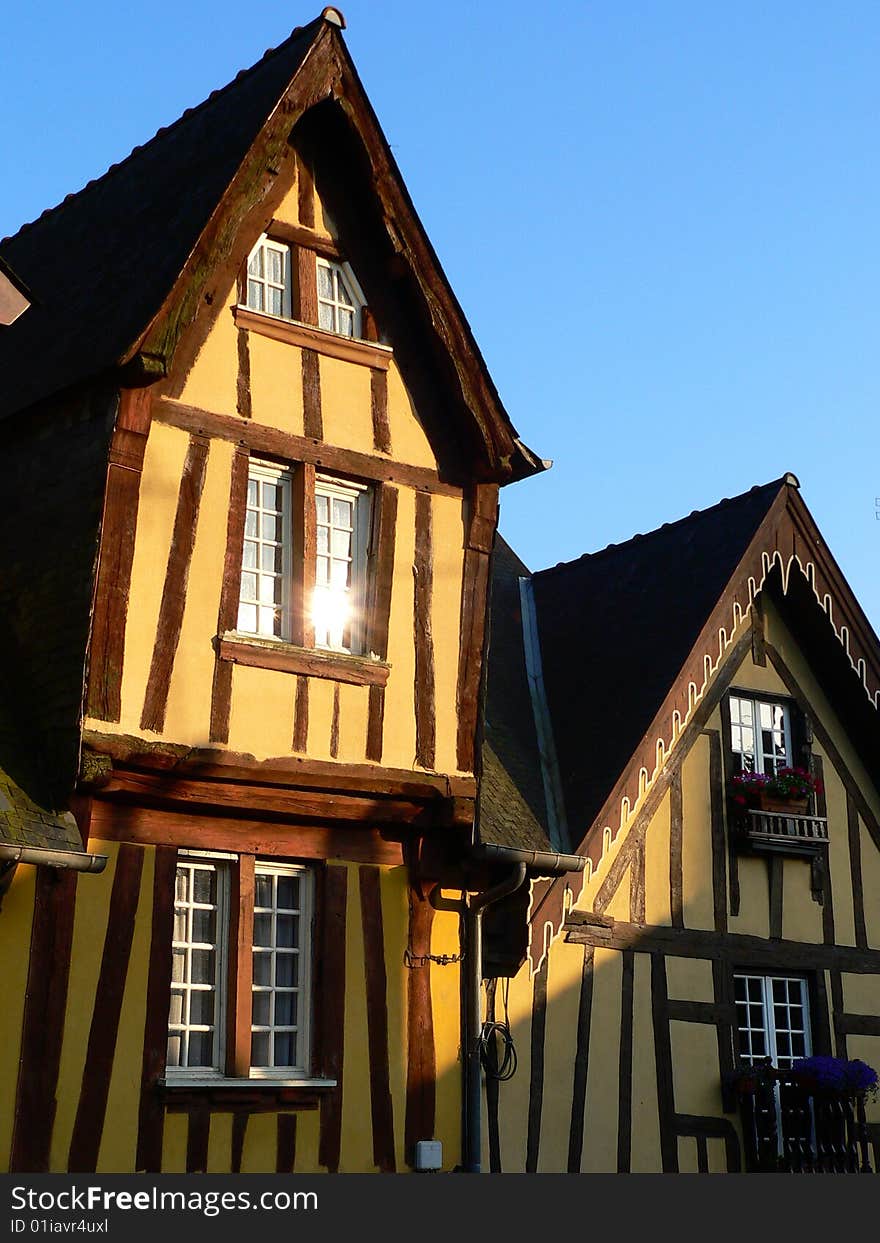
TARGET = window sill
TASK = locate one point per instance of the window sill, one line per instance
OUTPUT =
(260, 1095)
(311, 662)
(308, 336)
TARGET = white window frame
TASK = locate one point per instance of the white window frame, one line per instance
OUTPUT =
(770, 1029)
(302, 1066)
(265, 244)
(260, 472)
(220, 868)
(328, 486)
(221, 864)
(340, 270)
(755, 704)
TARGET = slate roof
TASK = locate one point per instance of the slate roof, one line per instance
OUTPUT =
(512, 807)
(100, 264)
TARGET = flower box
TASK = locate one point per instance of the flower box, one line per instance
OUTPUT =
(781, 806)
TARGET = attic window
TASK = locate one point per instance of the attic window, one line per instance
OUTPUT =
(339, 304)
(268, 278)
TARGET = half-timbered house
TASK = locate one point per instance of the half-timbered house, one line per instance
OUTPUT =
(251, 466)
(700, 938)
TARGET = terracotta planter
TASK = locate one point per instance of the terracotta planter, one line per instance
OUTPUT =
(781, 806)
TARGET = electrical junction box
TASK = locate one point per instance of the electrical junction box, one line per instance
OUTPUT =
(429, 1154)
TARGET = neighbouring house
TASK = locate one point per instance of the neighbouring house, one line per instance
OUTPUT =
(344, 864)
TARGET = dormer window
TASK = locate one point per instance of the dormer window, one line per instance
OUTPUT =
(268, 278)
(760, 735)
(339, 301)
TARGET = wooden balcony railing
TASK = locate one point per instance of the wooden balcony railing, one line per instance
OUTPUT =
(788, 1129)
(779, 830)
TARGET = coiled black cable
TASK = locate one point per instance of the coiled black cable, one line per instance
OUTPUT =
(501, 1067)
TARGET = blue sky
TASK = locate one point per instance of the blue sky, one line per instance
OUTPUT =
(660, 216)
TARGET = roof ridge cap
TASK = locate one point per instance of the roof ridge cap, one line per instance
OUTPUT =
(161, 131)
(787, 478)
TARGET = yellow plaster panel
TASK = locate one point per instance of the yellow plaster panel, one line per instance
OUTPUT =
(89, 929)
(754, 889)
(118, 1148)
(752, 677)
(866, 1049)
(345, 404)
(393, 888)
(861, 994)
(688, 1161)
(354, 703)
(320, 717)
(619, 905)
(276, 383)
(696, 1076)
(15, 939)
(308, 1131)
(288, 209)
(260, 1149)
(157, 507)
(220, 1144)
(448, 541)
(689, 979)
(801, 916)
(213, 378)
(513, 1099)
(261, 715)
(187, 716)
(697, 838)
(717, 1153)
(838, 855)
(603, 1075)
(356, 1153)
(870, 885)
(645, 1151)
(174, 1143)
(657, 909)
(445, 1010)
(399, 738)
(409, 442)
(560, 1047)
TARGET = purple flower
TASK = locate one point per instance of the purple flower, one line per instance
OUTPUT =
(836, 1074)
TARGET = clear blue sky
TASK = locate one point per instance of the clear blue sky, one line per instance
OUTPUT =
(660, 216)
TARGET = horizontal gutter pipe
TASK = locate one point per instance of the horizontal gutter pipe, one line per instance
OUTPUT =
(546, 862)
(74, 860)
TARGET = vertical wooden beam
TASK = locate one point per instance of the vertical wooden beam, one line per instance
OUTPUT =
(239, 1131)
(732, 855)
(536, 1082)
(240, 968)
(702, 1155)
(581, 1065)
(377, 1020)
(481, 522)
(379, 609)
(722, 991)
(624, 1092)
(313, 421)
(637, 882)
(304, 555)
(837, 1013)
(719, 845)
(285, 1154)
(775, 876)
(151, 1114)
(301, 715)
(334, 723)
(227, 613)
(828, 936)
(675, 859)
(118, 529)
(663, 1062)
(332, 994)
(305, 285)
(855, 869)
(171, 609)
(421, 1070)
(243, 379)
(89, 1123)
(305, 193)
(423, 573)
(759, 649)
(42, 1028)
(379, 410)
(197, 1135)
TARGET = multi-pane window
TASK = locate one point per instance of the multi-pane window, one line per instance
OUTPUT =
(203, 959)
(760, 735)
(338, 301)
(268, 278)
(197, 965)
(264, 601)
(772, 1019)
(341, 511)
(280, 971)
